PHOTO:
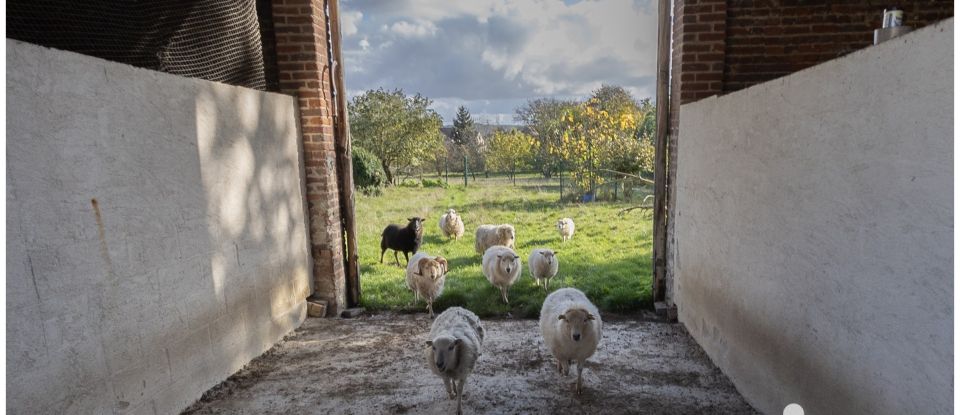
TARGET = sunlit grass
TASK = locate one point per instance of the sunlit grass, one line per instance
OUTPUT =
(608, 257)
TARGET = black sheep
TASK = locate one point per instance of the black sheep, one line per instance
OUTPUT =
(406, 239)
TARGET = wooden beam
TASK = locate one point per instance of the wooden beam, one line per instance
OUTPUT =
(344, 163)
(661, 155)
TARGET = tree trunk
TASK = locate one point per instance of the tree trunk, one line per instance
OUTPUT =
(386, 170)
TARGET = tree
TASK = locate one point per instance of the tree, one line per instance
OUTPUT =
(400, 130)
(368, 174)
(511, 150)
(464, 130)
(601, 133)
(543, 118)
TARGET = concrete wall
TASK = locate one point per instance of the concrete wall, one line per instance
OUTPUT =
(155, 233)
(814, 232)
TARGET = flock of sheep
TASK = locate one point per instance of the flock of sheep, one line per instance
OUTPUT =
(569, 323)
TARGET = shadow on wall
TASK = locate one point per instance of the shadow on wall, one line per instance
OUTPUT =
(250, 166)
(198, 259)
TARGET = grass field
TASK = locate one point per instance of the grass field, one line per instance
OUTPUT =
(608, 257)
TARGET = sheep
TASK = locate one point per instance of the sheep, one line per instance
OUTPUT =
(407, 239)
(565, 226)
(425, 277)
(543, 265)
(571, 329)
(456, 340)
(490, 235)
(451, 224)
(502, 267)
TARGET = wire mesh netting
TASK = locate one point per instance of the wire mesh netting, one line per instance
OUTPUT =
(609, 186)
(216, 40)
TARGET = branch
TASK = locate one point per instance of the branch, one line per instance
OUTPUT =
(631, 175)
(642, 206)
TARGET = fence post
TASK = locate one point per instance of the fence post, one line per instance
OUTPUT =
(513, 174)
(464, 171)
(561, 184)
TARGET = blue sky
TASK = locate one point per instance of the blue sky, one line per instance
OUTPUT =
(493, 55)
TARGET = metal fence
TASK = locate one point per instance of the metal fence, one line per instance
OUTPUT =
(611, 186)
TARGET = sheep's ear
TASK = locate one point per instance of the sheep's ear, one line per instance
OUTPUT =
(516, 257)
(590, 316)
(561, 317)
(420, 265)
(500, 256)
(410, 219)
(430, 343)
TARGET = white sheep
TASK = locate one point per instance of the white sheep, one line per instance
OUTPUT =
(425, 277)
(456, 341)
(566, 228)
(451, 224)
(502, 267)
(491, 235)
(571, 328)
(543, 265)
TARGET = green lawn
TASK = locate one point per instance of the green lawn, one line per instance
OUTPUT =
(608, 257)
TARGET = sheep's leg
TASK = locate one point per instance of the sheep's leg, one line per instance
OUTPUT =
(446, 384)
(580, 377)
(430, 308)
(503, 293)
(382, 251)
(460, 395)
(395, 258)
(564, 367)
(406, 258)
(546, 284)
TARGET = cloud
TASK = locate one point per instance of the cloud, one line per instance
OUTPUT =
(407, 29)
(349, 21)
(492, 55)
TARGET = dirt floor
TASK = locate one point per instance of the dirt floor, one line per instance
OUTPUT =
(375, 364)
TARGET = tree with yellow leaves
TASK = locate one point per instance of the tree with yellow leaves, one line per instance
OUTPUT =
(600, 133)
(511, 151)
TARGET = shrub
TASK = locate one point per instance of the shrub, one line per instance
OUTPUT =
(434, 183)
(368, 174)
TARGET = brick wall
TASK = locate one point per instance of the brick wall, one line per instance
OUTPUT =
(768, 39)
(303, 71)
(698, 49)
(726, 45)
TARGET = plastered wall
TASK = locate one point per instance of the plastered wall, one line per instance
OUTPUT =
(814, 230)
(155, 233)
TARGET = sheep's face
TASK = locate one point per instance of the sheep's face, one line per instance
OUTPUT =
(574, 323)
(561, 224)
(508, 262)
(451, 212)
(431, 268)
(444, 352)
(548, 255)
(505, 233)
(416, 223)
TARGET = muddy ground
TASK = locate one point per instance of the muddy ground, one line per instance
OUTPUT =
(375, 365)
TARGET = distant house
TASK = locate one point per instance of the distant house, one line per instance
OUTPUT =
(484, 132)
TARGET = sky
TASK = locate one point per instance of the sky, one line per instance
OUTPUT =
(493, 55)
